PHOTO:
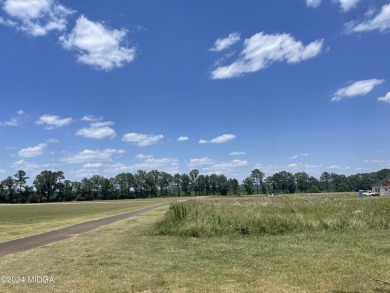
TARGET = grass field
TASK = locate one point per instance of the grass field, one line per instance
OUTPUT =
(23, 220)
(259, 216)
(133, 256)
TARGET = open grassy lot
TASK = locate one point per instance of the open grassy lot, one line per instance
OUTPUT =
(23, 220)
(131, 256)
(256, 216)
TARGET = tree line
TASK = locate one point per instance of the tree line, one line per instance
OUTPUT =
(51, 186)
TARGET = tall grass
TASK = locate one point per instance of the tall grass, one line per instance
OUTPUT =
(274, 216)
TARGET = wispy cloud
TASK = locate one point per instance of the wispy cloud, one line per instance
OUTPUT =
(32, 151)
(197, 162)
(261, 50)
(379, 22)
(385, 99)
(225, 167)
(148, 163)
(98, 130)
(90, 118)
(141, 139)
(26, 166)
(225, 43)
(299, 156)
(93, 156)
(53, 121)
(219, 139)
(313, 3)
(16, 120)
(237, 153)
(98, 45)
(358, 88)
(37, 17)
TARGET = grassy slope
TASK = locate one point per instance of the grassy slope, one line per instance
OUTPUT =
(122, 257)
(19, 221)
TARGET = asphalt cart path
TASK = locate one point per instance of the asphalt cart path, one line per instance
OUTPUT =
(35, 241)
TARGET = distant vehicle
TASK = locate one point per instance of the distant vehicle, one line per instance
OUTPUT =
(370, 193)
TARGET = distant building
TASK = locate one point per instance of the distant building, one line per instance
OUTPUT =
(382, 187)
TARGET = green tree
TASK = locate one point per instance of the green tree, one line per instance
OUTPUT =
(20, 180)
(48, 183)
(222, 185)
(234, 186)
(326, 182)
(86, 189)
(283, 182)
(302, 180)
(177, 183)
(248, 185)
(140, 183)
(68, 191)
(194, 176)
(164, 181)
(257, 178)
(214, 184)
(9, 186)
(185, 184)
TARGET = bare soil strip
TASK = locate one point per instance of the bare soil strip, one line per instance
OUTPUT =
(31, 242)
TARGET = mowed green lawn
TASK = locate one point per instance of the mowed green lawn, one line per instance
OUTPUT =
(21, 220)
(133, 256)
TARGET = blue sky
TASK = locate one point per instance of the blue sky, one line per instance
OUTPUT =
(221, 86)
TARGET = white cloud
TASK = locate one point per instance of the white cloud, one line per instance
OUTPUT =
(142, 139)
(219, 139)
(169, 165)
(32, 151)
(385, 99)
(90, 118)
(261, 50)
(196, 162)
(358, 88)
(237, 153)
(299, 156)
(37, 17)
(53, 121)
(116, 168)
(92, 165)
(142, 156)
(86, 172)
(98, 130)
(225, 43)
(98, 45)
(52, 140)
(379, 22)
(183, 138)
(16, 120)
(224, 168)
(271, 169)
(7, 22)
(313, 3)
(347, 5)
(92, 156)
(26, 166)
(2, 171)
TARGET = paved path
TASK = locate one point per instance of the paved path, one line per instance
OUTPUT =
(30, 242)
